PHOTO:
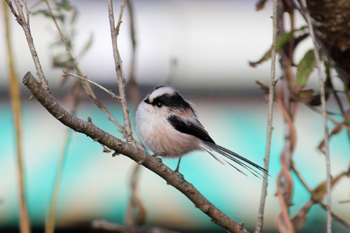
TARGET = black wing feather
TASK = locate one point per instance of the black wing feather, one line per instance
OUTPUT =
(190, 128)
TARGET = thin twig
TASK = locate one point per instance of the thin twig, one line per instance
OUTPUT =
(334, 215)
(50, 220)
(26, 28)
(92, 82)
(134, 92)
(346, 92)
(313, 108)
(297, 173)
(260, 221)
(323, 101)
(284, 182)
(86, 86)
(343, 113)
(17, 120)
(77, 94)
(118, 67)
(135, 204)
(71, 58)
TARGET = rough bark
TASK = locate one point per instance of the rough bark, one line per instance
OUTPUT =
(332, 29)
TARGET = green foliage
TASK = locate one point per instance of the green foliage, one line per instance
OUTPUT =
(305, 67)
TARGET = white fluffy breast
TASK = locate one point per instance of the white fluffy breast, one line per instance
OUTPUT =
(159, 136)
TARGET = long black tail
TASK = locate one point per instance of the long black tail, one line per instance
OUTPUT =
(230, 157)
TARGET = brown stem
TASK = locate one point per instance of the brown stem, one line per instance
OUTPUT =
(324, 114)
(86, 86)
(26, 28)
(17, 119)
(260, 222)
(118, 67)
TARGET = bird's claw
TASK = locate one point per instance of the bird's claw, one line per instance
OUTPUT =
(179, 174)
(156, 155)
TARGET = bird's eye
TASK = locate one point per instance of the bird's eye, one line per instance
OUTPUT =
(159, 104)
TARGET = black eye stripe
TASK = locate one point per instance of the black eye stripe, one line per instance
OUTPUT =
(173, 101)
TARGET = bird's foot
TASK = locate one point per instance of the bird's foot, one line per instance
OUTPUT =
(156, 155)
(179, 174)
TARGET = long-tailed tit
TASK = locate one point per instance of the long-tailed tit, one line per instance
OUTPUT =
(168, 126)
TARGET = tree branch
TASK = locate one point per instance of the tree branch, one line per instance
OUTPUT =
(26, 28)
(86, 86)
(260, 222)
(317, 200)
(131, 150)
(15, 95)
(93, 83)
(324, 114)
(118, 67)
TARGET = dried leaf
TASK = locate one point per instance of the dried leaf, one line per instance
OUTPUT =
(336, 130)
(260, 5)
(265, 89)
(301, 217)
(320, 191)
(305, 67)
(306, 95)
(318, 195)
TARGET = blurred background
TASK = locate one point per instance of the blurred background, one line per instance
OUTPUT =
(212, 42)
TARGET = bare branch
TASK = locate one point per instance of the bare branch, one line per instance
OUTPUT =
(314, 200)
(86, 86)
(135, 203)
(27, 10)
(76, 95)
(71, 58)
(324, 114)
(118, 67)
(131, 150)
(260, 221)
(92, 82)
(135, 94)
(26, 28)
(15, 94)
(342, 124)
(335, 216)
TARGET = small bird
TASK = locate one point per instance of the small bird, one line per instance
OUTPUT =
(168, 126)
